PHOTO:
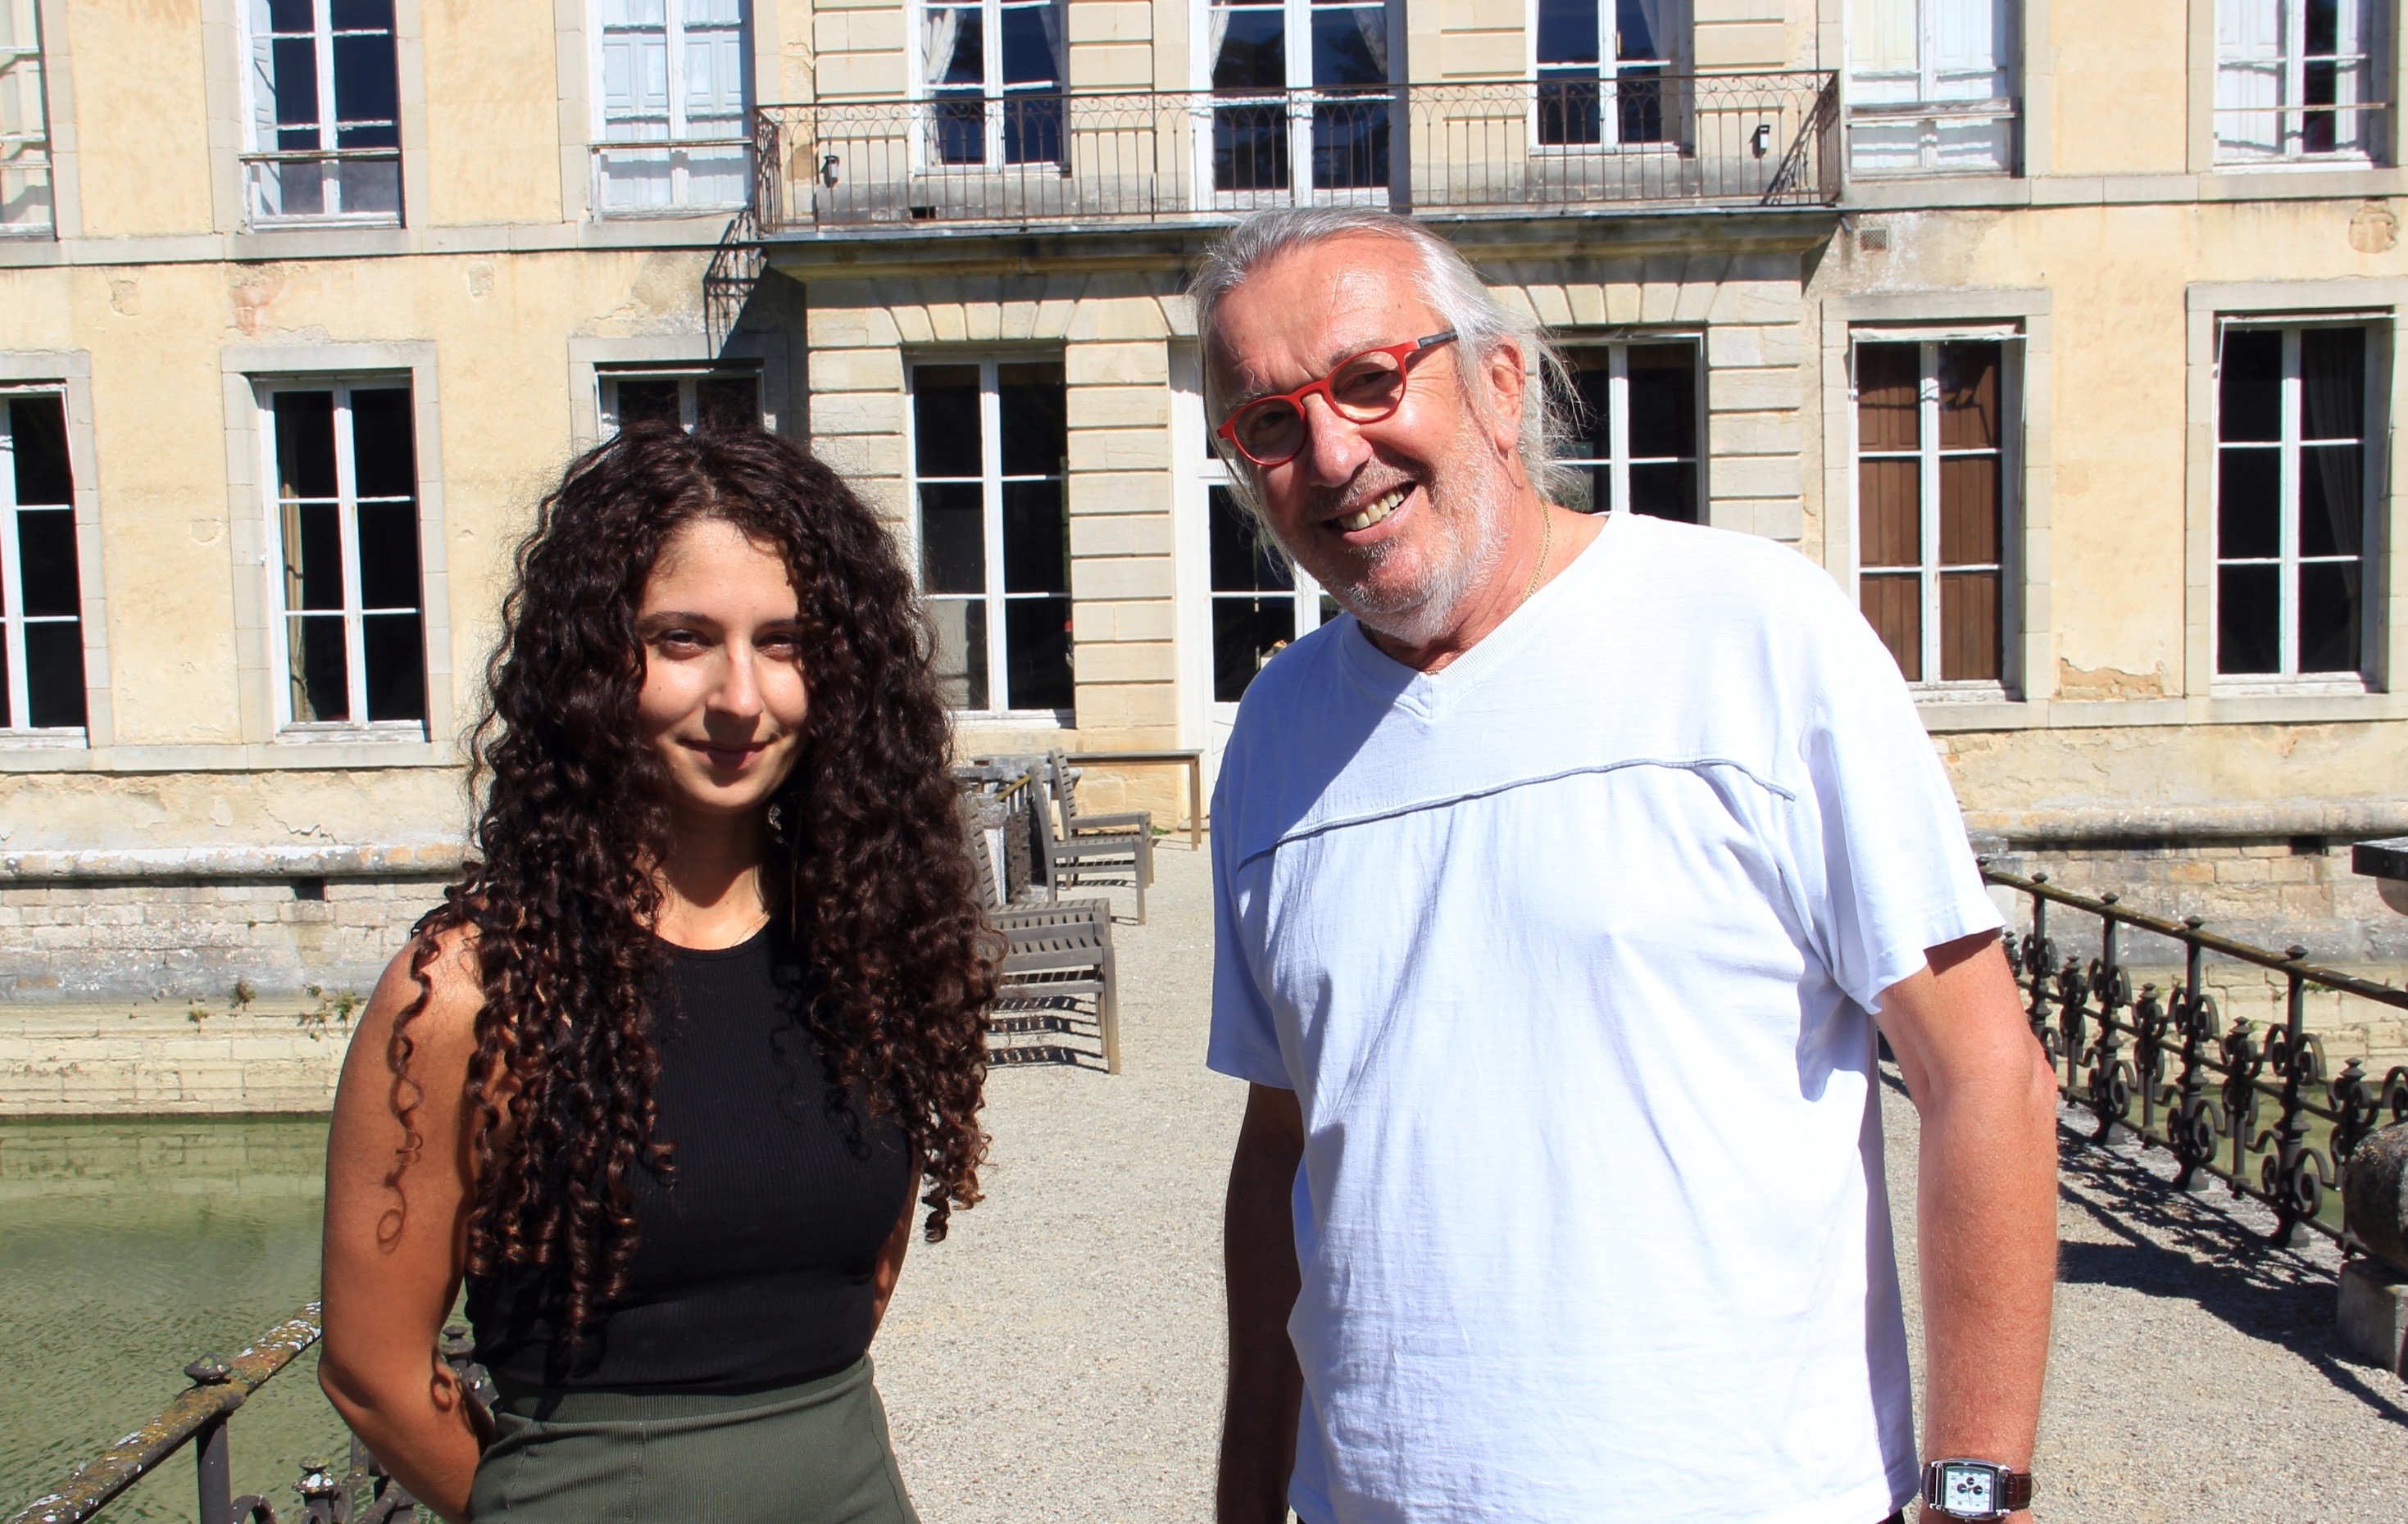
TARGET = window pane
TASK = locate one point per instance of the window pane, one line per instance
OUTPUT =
(1243, 558)
(2329, 601)
(965, 62)
(1568, 31)
(304, 444)
(1663, 401)
(1889, 378)
(294, 60)
(1247, 633)
(292, 15)
(1665, 492)
(1036, 538)
(945, 418)
(313, 567)
(366, 102)
(1254, 51)
(953, 538)
(961, 651)
(394, 647)
(1968, 396)
(46, 551)
(1027, 52)
(1588, 489)
(388, 536)
(382, 461)
(1894, 608)
(1350, 44)
(53, 673)
(321, 689)
(1036, 650)
(2332, 518)
(647, 401)
(2248, 615)
(1968, 510)
(2248, 504)
(37, 428)
(2249, 387)
(1030, 404)
(8, 720)
(727, 402)
(2333, 383)
(1592, 427)
(1250, 147)
(1634, 36)
(1350, 144)
(1889, 513)
(1969, 626)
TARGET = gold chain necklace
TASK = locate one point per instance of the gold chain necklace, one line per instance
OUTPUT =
(1546, 543)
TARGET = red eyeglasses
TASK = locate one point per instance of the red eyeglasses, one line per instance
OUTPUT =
(1270, 431)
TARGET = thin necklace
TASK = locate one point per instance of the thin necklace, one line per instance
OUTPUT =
(1546, 543)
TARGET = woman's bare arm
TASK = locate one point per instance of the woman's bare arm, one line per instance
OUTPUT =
(396, 1242)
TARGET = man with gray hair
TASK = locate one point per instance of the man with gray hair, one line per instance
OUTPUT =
(1558, 891)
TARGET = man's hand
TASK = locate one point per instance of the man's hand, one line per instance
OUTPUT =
(1986, 1195)
(1266, 1389)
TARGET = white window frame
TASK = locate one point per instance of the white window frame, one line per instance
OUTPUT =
(681, 139)
(1932, 104)
(993, 91)
(991, 484)
(2360, 77)
(24, 136)
(17, 731)
(1611, 67)
(347, 517)
(2372, 428)
(1305, 594)
(1299, 97)
(328, 156)
(2009, 568)
(607, 380)
(1619, 462)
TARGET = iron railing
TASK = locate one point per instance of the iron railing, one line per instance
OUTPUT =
(198, 1420)
(2251, 1104)
(1729, 140)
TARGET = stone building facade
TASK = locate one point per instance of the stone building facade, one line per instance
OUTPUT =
(2064, 337)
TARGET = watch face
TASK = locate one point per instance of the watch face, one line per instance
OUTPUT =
(1969, 1490)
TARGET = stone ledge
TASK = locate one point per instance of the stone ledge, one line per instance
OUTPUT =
(427, 860)
(2160, 822)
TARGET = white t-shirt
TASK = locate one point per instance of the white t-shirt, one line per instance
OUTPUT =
(1567, 950)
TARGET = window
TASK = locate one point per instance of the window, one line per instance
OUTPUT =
(41, 594)
(24, 123)
(995, 71)
(1927, 86)
(691, 400)
(1635, 423)
(351, 627)
(1930, 504)
(326, 112)
(2291, 496)
(1260, 600)
(1601, 67)
(674, 135)
(1301, 82)
(2294, 79)
(989, 460)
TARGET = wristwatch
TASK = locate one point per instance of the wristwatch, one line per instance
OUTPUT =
(1974, 1489)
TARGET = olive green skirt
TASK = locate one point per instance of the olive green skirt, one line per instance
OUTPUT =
(815, 1453)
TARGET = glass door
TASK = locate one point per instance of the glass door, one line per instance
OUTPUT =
(1302, 111)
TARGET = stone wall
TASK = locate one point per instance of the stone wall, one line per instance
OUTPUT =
(165, 1058)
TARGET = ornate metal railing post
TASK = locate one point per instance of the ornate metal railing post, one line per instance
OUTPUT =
(2110, 1081)
(2040, 961)
(2296, 1176)
(2192, 1130)
(213, 1457)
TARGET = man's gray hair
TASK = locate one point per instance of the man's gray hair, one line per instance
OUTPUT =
(1449, 284)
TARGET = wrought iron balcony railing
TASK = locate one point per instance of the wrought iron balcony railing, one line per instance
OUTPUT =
(1663, 140)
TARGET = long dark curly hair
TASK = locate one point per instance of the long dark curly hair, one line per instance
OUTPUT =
(868, 860)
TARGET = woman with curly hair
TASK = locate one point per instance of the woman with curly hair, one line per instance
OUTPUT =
(660, 1078)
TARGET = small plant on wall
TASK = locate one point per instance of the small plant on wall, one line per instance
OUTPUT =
(332, 1010)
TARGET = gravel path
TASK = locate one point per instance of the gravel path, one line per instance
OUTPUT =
(1059, 1357)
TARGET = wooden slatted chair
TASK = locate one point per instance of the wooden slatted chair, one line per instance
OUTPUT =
(1061, 948)
(1091, 848)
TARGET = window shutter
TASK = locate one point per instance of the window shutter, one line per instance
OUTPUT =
(1881, 49)
(1971, 47)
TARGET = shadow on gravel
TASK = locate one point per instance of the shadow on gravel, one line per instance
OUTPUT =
(2175, 1245)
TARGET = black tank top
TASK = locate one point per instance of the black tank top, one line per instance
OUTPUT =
(752, 1268)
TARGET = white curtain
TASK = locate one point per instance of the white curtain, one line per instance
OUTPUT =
(2332, 382)
(1372, 23)
(1050, 18)
(1666, 21)
(937, 53)
(1220, 26)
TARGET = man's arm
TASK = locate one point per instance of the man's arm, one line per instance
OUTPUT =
(1258, 1256)
(1985, 1199)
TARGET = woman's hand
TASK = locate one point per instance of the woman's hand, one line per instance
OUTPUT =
(396, 1221)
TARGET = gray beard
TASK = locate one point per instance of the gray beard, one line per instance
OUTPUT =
(1415, 616)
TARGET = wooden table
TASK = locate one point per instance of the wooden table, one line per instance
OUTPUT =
(1188, 756)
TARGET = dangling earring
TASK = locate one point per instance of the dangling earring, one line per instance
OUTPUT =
(777, 824)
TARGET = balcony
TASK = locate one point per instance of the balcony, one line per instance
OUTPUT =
(1662, 142)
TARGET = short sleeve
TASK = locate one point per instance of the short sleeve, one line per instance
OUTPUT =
(1245, 1037)
(1878, 841)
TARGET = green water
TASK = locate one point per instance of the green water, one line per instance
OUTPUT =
(128, 1248)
